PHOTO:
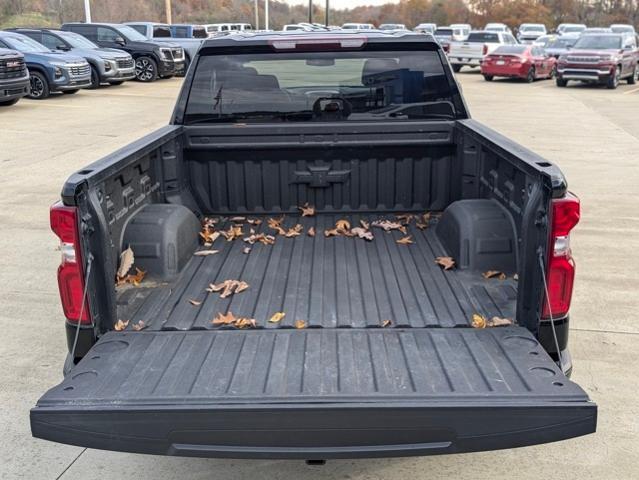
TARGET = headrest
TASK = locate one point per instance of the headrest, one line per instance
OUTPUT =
(375, 70)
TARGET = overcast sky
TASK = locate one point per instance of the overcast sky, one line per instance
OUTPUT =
(343, 3)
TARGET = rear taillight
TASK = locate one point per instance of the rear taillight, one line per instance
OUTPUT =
(484, 50)
(560, 274)
(64, 223)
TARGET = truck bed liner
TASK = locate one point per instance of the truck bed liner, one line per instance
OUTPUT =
(327, 282)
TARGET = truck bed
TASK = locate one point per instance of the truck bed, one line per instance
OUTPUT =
(335, 282)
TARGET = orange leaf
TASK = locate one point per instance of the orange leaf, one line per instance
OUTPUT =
(386, 323)
(224, 319)
(311, 232)
(277, 317)
(120, 325)
(307, 210)
(299, 324)
(446, 262)
(479, 321)
(139, 326)
(405, 240)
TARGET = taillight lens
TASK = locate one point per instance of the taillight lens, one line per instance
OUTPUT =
(561, 266)
(64, 223)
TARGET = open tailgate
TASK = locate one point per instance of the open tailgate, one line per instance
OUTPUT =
(314, 393)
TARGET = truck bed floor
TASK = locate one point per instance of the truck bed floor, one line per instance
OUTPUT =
(335, 282)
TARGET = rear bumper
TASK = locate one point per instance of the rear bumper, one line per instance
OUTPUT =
(471, 62)
(314, 431)
(498, 71)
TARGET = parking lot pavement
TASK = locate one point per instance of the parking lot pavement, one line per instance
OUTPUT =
(593, 135)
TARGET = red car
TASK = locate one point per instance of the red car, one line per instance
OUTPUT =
(528, 62)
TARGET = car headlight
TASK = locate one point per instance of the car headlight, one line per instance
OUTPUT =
(109, 65)
(165, 53)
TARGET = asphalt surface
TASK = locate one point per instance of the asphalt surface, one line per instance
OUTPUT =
(591, 133)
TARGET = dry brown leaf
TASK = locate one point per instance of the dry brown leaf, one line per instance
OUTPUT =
(296, 231)
(139, 326)
(126, 262)
(260, 237)
(307, 210)
(362, 233)
(445, 262)
(204, 253)
(365, 225)
(241, 286)
(331, 233)
(479, 321)
(209, 222)
(405, 240)
(276, 224)
(224, 319)
(299, 324)
(387, 226)
(386, 323)
(405, 218)
(238, 219)
(277, 317)
(137, 278)
(208, 235)
(421, 225)
(234, 231)
(195, 302)
(254, 221)
(246, 250)
(494, 274)
(311, 232)
(343, 225)
(499, 322)
(245, 323)
(120, 325)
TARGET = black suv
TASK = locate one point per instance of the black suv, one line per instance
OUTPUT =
(14, 77)
(152, 59)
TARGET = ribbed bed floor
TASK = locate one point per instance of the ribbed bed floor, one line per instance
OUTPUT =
(335, 282)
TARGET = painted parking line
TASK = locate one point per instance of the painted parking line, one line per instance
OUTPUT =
(634, 90)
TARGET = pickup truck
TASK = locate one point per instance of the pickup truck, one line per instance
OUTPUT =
(14, 77)
(153, 59)
(313, 261)
(474, 49)
(49, 71)
(163, 33)
(603, 59)
(108, 65)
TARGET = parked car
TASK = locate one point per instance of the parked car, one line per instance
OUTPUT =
(478, 44)
(556, 46)
(596, 30)
(149, 371)
(161, 33)
(296, 27)
(604, 59)
(622, 28)
(497, 27)
(526, 62)
(570, 28)
(186, 30)
(108, 65)
(461, 31)
(426, 28)
(14, 77)
(153, 59)
(392, 27)
(444, 36)
(529, 32)
(358, 26)
(49, 71)
(213, 29)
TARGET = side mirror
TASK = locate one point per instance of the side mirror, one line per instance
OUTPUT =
(120, 41)
(62, 47)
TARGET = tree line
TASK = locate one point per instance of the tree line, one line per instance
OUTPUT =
(409, 12)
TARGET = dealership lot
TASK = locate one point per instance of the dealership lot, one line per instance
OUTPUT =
(591, 133)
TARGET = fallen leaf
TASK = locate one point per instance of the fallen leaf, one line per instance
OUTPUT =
(405, 240)
(204, 253)
(246, 250)
(195, 302)
(208, 235)
(405, 218)
(224, 319)
(234, 231)
(365, 225)
(227, 287)
(277, 317)
(139, 326)
(120, 325)
(299, 324)
(137, 278)
(362, 233)
(260, 237)
(296, 231)
(386, 323)
(238, 219)
(387, 226)
(241, 286)
(421, 225)
(479, 321)
(245, 323)
(307, 210)
(343, 225)
(499, 322)
(494, 274)
(254, 221)
(331, 233)
(276, 224)
(126, 262)
(446, 262)
(311, 232)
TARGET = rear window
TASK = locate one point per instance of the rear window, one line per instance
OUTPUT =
(444, 32)
(511, 50)
(483, 37)
(199, 32)
(161, 32)
(318, 86)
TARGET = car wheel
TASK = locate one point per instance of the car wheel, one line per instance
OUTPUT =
(561, 82)
(530, 78)
(39, 86)
(613, 80)
(488, 78)
(457, 68)
(632, 79)
(95, 79)
(146, 70)
(8, 103)
(71, 92)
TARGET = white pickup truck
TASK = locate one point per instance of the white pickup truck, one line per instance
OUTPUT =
(472, 51)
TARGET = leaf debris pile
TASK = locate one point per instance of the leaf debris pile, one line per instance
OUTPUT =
(237, 322)
(227, 287)
(479, 321)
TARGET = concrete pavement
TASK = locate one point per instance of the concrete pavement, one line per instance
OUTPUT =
(593, 135)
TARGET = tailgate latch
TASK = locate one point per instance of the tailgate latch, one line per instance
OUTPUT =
(320, 176)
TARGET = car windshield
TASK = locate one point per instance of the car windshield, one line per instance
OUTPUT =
(131, 34)
(599, 42)
(25, 44)
(482, 37)
(532, 28)
(320, 86)
(561, 43)
(510, 50)
(622, 29)
(76, 40)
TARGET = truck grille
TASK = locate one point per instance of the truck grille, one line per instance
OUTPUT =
(125, 62)
(80, 70)
(12, 68)
(581, 59)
